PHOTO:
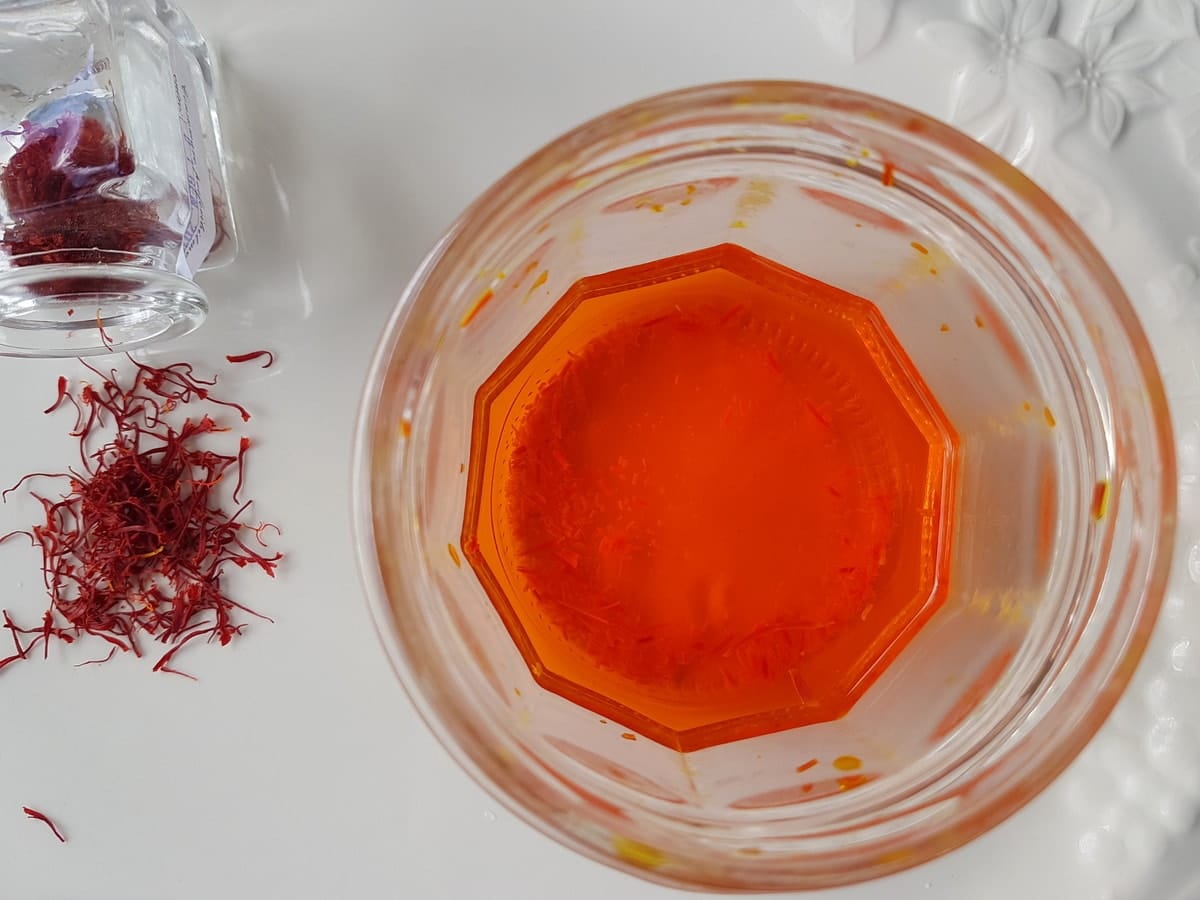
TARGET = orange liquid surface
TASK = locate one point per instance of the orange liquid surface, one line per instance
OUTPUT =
(706, 497)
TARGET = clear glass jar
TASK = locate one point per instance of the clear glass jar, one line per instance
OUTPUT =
(1065, 511)
(112, 187)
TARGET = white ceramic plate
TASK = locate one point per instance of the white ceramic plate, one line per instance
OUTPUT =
(295, 767)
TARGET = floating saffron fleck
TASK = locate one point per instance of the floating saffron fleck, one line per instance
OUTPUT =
(454, 556)
(804, 767)
(920, 248)
(42, 817)
(979, 321)
(888, 175)
(944, 328)
(1100, 500)
(136, 543)
(1048, 416)
(250, 357)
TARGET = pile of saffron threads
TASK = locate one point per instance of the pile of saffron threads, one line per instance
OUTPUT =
(137, 540)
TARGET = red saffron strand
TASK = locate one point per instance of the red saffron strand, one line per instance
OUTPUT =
(137, 544)
(62, 393)
(98, 662)
(250, 357)
(42, 817)
(243, 447)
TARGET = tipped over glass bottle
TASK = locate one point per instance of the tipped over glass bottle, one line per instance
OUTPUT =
(112, 186)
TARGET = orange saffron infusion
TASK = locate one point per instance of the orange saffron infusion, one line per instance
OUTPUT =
(710, 497)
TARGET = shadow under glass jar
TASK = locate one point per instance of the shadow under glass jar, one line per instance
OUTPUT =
(1064, 514)
(112, 186)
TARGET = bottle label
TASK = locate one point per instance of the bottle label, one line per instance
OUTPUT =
(200, 230)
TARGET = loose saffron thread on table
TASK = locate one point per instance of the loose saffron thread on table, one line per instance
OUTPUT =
(42, 817)
(137, 544)
(250, 357)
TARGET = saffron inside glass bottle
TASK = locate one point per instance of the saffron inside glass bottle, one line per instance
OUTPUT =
(112, 185)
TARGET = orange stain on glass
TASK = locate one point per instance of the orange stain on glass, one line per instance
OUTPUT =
(469, 316)
(638, 517)
(537, 283)
(847, 763)
(1100, 500)
(975, 693)
(638, 854)
(682, 193)
(855, 210)
(528, 270)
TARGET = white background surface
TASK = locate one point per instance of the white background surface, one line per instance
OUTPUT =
(295, 768)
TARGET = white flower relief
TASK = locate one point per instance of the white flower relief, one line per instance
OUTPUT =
(851, 27)
(1108, 84)
(1010, 46)
(1022, 84)
(1180, 77)
(1184, 14)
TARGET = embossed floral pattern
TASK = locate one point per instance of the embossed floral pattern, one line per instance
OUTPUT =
(1031, 76)
(1180, 77)
(1019, 59)
(1178, 13)
(1010, 47)
(852, 27)
(1107, 85)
